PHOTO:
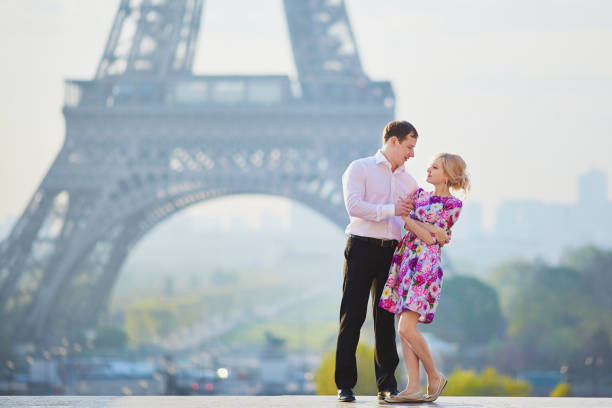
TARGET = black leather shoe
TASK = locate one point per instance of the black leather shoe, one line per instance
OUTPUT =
(387, 393)
(346, 395)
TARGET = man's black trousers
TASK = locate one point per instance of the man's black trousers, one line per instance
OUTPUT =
(366, 267)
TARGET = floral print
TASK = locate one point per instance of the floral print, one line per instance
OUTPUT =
(415, 276)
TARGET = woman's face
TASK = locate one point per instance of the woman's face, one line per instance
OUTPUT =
(435, 173)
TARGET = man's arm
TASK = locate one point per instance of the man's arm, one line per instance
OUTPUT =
(353, 187)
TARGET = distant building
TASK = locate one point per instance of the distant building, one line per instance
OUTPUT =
(592, 188)
(471, 220)
(530, 229)
(274, 366)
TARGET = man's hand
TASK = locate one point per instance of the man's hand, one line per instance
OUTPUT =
(403, 207)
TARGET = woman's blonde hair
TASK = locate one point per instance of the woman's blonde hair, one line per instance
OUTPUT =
(455, 168)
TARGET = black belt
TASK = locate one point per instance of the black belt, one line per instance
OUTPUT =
(378, 242)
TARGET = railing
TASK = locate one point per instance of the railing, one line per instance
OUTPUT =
(267, 90)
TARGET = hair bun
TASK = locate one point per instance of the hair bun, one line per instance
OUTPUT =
(455, 168)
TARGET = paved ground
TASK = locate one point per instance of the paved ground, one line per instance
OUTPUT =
(295, 402)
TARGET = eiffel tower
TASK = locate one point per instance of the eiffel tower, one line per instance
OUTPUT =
(147, 138)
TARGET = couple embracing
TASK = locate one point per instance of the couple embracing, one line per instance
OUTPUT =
(402, 273)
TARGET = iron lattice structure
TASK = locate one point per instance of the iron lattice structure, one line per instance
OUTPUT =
(147, 138)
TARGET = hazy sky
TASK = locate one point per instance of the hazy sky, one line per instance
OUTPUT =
(521, 89)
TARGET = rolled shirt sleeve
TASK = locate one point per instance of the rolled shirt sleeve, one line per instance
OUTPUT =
(353, 187)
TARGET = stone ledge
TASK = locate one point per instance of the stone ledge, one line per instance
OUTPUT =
(293, 401)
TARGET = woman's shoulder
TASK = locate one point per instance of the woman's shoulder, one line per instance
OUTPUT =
(417, 193)
(452, 202)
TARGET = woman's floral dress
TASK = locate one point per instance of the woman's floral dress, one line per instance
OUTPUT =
(415, 276)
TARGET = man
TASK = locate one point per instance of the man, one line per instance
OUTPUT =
(375, 194)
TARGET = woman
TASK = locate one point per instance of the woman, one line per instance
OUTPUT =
(412, 290)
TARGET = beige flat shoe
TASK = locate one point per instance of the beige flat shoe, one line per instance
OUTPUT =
(441, 384)
(414, 397)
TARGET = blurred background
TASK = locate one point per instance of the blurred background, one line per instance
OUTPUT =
(171, 223)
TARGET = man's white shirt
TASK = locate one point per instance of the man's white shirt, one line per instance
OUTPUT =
(370, 193)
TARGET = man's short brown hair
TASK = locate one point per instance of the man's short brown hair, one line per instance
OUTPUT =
(400, 129)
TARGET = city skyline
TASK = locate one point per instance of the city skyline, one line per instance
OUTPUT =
(449, 63)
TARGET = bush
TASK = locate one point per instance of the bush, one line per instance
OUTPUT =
(561, 390)
(366, 378)
(487, 383)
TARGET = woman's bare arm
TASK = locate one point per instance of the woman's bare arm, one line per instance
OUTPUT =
(441, 235)
(422, 233)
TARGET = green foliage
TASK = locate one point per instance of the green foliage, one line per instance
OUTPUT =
(312, 325)
(110, 337)
(561, 390)
(324, 376)
(538, 325)
(593, 289)
(313, 335)
(509, 278)
(554, 312)
(468, 313)
(487, 383)
(595, 349)
(161, 315)
(366, 378)
(537, 303)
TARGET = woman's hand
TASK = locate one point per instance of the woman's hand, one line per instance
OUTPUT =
(441, 236)
(407, 221)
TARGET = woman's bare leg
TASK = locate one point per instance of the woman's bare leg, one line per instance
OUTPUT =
(411, 361)
(408, 332)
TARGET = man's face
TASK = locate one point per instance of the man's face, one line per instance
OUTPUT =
(404, 150)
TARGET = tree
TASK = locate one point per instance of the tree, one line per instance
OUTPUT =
(487, 383)
(366, 378)
(110, 337)
(556, 314)
(468, 313)
(592, 360)
(595, 268)
(544, 316)
(509, 277)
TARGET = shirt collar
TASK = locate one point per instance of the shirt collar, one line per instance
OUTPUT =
(380, 158)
